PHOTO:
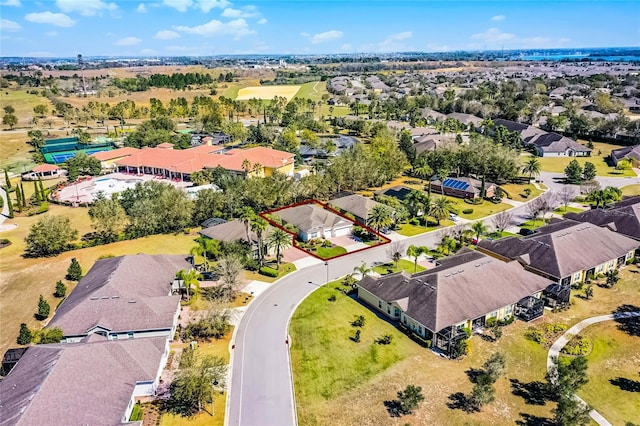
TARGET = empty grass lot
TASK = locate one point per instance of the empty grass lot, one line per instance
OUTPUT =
(614, 357)
(403, 265)
(312, 90)
(330, 390)
(267, 92)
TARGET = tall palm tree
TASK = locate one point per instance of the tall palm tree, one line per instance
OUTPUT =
(413, 201)
(442, 175)
(532, 167)
(189, 279)
(415, 252)
(246, 216)
(362, 270)
(206, 246)
(479, 228)
(441, 208)
(259, 225)
(379, 217)
(279, 240)
(422, 170)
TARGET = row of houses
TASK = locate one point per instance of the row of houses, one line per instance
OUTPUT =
(117, 324)
(511, 277)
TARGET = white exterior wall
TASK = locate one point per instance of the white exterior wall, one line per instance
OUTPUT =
(342, 232)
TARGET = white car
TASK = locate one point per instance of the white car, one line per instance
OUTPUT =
(454, 217)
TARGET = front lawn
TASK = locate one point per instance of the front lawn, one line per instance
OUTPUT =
(613, 373)
(517, 192)
(409, 230)
(631, 190)
(285, 268)
(329, 252)
(403, 265)
(533, 224)
(479, 211)
(561, 210)
(496, 235)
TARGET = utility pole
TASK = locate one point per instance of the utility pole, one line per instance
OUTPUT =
(81, 64)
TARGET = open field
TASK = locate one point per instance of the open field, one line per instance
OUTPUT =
(23, 103)
(267, 92)
(598, 157)
(330, 391)
(614, 357)
(23, 279)
(312, 90)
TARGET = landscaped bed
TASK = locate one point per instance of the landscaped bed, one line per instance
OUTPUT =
(403, 265)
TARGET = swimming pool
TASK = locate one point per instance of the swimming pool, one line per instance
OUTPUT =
(110, 186)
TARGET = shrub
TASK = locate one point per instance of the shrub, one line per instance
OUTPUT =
(535, 335)
(384, 340)
(25, 336)
(506, 321)
(414, 221)
(578, 346)
(43, 208)
(48, 335)
(491, 322)
(61, 289)
(332, 298)
(43, 309)
(555, 327)
(186, 231)
(269, 272)
(359, 321)
(251, 264)
(356, 338)
(327, 244)
(467, 211)
(74, 272)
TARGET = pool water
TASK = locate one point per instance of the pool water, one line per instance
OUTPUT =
(110, 186)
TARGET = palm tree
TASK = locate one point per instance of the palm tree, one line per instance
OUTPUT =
(379, 217)
(414, 202)
(189, 279)
(532, 167)
(259, 225)
(480, 229)
(422, 170)
(415, 252)
(442, 175)
(441, 208)
(279, 240)
(363, 270)
(246, 216)
(447, 245)
(206, 246)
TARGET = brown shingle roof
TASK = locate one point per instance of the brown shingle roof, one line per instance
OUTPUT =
(563, 248)
(623, 217)
(78, 383)
(234, 230)
(464, 286)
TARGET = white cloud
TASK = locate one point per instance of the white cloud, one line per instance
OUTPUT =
(179, 5)
(262, 21)
(57, 19)
(141, 8)
(147, 52)
(326, 36)
(9, 26)
(86, 7)
(166, 35)
(51, 33)
(493, 35)
(237, 28)
(498, 18)
(15, 3)
(305, 34)
(128, 41)
(207, 5)
(394, 42)
(245, 12)
(347, 47)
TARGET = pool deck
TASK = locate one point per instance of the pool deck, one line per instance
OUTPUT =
(80, 192)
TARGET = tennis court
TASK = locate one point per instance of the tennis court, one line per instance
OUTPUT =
(61, 157)
(56, 151)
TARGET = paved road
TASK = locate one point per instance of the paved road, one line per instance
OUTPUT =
(260, 391)
(557, 346)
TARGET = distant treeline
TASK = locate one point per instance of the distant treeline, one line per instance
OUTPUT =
(176, 81)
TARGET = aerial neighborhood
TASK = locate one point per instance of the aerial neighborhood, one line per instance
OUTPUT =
(392, 237)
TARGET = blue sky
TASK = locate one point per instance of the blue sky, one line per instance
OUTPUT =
(206, 27)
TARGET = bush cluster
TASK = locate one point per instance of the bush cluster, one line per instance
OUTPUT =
(269, 272)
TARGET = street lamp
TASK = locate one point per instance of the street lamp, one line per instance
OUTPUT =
(327, 265)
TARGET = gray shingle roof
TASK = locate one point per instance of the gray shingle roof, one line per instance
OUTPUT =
(553, 142)
(122, 294)
(623, 217)
(563, 248)
(309, 217)
(464, 286)
(626, 152)
(229, 231)
(355, 204)
(78, 383)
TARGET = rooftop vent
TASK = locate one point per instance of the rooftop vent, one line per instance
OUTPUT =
(132, 301)
(94, 298)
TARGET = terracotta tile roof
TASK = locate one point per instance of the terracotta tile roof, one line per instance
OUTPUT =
(78, 383)
(42, 168)
(115, 153)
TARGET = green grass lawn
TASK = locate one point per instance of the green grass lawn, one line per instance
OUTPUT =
(533, 224)
(630, 190)
(497, 235)
(403, 265)
(563, 211)
(516, 192)
(329, 252)
(338, 111)
(312, 90)
(558, 164)
(479, 210)
(409, 230)
(325, 361)
(285, 268)
(614, 357)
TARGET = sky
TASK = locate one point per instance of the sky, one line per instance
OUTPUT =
(65, 28)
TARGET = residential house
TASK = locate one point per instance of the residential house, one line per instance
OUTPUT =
(555, 145)
(234, 230)
(628, 152)
(432, 142)
(468, 120)
(123, 297)
(462, 292)
(44, 172)
(566, 251)
(313, 221)
(622, 217)
(527, 132)
(464, 187)
(357, 205)
(432, 116)
(95, 382)
(399, 192)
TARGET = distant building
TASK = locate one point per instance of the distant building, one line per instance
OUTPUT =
(622, 218)
(627, 153)
(44, 172)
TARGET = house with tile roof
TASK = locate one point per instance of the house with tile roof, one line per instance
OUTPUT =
(44, 172)
(95, 382)
(123, 297)
(462, 292)
(567, 251)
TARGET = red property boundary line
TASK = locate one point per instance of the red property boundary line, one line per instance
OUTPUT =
(383, 238)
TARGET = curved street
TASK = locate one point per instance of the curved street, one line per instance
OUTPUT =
(261, 387)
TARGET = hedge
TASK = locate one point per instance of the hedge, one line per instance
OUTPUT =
(269, 272)
(467, 211)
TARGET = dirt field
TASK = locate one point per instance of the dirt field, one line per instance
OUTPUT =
(267, 92)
